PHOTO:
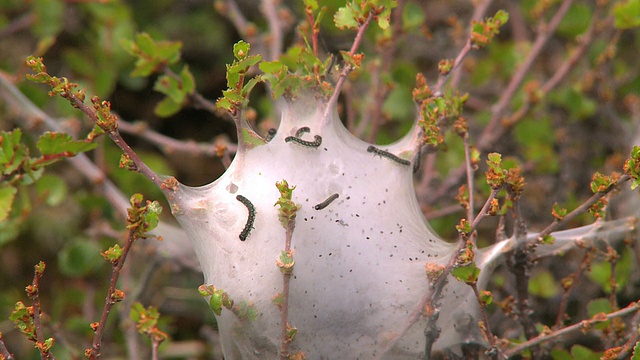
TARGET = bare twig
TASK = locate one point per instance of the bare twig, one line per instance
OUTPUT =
(3, 349)
(545, 31)
(113, 296)
(34, 294)
(333, 100)
(574, 279)
(583, 325)
(274, 40)
(379, 89)
(581, 209)
(169, 145)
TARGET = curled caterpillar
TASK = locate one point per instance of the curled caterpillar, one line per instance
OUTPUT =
(302, 130)
(270, 134)
(388, 155)
(314, 144)
(326, 203)
(252, 217)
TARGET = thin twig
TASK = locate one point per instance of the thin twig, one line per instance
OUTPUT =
(333, 100)
(94, 351)
(429, 301)
(34, 293)
(270, 10)
(585, 324)
(379, 89)
(575, 278)
(581, 209)
(3, 349)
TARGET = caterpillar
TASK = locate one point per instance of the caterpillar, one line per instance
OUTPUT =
(326, 203)
(252, 217)
(270, 134)
(314, 144)
(388, 155)
(302, 130)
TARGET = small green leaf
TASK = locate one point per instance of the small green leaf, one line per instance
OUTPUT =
(345, 17)
(7, 195)
(79, 258)
(468, 273)
(53, 143)
(272, 67)
(636, 352)
(167, 107)
(627, 14)
(543, 285)
(188, 82)
(215, 303)
(152, 215)
(52, 188)
(241, 50)
(412, 16)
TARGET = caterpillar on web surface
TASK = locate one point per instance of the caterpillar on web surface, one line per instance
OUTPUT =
(388, 155)
(252, 217)
(326, 203)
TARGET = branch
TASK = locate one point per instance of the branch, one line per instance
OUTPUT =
(3, 349)
(347, 68)
(270, 11)
(580, 209)
(583, 326)
(113, 296)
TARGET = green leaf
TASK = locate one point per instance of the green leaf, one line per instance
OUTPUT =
(241, 50)
(543, 285)
(151, 216)
(188, 82)
(345, 17)
(313, 4)
(600, 272)
(636, 352)
(468, 273)
(7, 195)
(54, 143)
(167, 107)
(52, 188)
(576, 21)
(584, 353)
(215, 303)
(627, 14)
(272, 67)
(171, 87)
(79, 258)
(412, 16)
(243, 65)
(49, 17)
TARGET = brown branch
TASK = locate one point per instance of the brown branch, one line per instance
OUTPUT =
(3, 349)
(583, 325)
(379, 89)
(169, 145)
(575, 278)
(580, 209)
(33, 291)
(545, 31)
(333, 100)
(270, 11)
(94, 351)
(429, 302)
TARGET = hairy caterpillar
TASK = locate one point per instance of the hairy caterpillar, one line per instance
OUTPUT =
(252, 217)
(326, 203)
(388, 155)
